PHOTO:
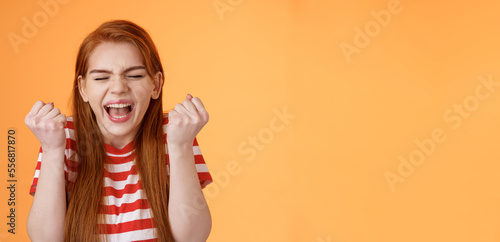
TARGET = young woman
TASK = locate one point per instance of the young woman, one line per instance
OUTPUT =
(119, 169)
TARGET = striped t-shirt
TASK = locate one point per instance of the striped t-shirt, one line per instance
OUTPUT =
(128, 216)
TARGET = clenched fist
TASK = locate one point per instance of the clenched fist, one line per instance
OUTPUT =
(47, 123)
(186, 121)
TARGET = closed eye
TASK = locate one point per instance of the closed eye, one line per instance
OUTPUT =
(101, 78)
(136, 76)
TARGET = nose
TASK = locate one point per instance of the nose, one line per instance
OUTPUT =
(118, 84)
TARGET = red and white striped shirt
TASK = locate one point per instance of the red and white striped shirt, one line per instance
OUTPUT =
(128, 216)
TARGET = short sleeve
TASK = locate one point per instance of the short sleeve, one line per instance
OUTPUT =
(68, 152)
(34, 182)
(201, 167)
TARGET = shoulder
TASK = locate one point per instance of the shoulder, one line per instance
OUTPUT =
(70, 133)
(165, 118)
(69, 122)
(165, 122)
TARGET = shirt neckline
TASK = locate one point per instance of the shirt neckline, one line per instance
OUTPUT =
(126, 149)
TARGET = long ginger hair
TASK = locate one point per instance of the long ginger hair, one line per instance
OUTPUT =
(86, 194)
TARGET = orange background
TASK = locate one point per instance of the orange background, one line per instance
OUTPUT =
(322, 176)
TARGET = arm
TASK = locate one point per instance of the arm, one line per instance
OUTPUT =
(189, 214)
(48, 211)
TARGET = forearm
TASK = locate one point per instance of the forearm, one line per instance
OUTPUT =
(189, 214)
(48, 211)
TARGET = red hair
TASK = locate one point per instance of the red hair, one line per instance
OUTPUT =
(85, 196)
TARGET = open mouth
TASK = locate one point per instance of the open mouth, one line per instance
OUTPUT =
(119, 110)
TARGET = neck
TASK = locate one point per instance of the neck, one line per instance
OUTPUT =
(118, 141)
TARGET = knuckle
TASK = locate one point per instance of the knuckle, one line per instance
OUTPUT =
(196, 119)
(54, 125)
(35, 120)
(48, 126)
(59, 125)
(31, 124)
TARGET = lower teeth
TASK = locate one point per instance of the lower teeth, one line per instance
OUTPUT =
(120, 116)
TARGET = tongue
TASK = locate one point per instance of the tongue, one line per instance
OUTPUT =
(117, 112)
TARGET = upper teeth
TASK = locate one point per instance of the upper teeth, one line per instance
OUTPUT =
(118, 105)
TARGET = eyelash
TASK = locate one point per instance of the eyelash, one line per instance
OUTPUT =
(134, 77)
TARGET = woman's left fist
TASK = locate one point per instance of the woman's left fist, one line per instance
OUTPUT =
(186, 121)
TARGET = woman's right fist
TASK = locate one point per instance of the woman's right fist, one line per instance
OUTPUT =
(47, 124)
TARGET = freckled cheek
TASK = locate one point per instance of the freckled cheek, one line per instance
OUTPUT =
(95, 99)
(96, 107)
(143, 93)
(143, 97)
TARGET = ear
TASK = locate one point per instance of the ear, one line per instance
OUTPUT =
(158, 84)
(82, 89)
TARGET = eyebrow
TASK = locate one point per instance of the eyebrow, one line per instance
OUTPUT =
(110, 72)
